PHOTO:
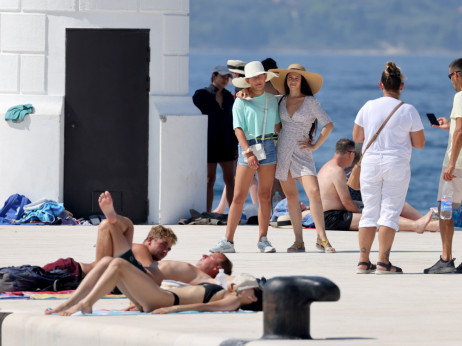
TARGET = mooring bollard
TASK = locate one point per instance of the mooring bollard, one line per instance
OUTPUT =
(286, 304)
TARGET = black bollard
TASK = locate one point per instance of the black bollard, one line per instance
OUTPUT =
(286, 304)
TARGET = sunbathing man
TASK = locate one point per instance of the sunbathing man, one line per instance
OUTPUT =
(340, 211)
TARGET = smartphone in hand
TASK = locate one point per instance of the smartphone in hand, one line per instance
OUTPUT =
(432, 118)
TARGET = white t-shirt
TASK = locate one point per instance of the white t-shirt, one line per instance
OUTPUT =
(455, 113)
(395, 139)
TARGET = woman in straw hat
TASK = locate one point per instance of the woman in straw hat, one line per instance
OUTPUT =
(254, 120)
(299, 111)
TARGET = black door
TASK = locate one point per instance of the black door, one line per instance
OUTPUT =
(106, 121)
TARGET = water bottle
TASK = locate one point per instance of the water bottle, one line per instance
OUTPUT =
(276, 199)
(222, 279)
(446, 200)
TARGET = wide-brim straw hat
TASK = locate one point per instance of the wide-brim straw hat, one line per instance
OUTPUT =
(253, 69)
(314, 80)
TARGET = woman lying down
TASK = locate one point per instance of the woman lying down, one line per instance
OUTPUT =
(147, 296)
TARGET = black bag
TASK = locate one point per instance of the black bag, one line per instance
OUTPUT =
(35, 278)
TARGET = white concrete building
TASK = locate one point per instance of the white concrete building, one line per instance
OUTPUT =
(34, 36)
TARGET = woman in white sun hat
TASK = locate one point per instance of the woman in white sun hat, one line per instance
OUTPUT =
(300, 111)
(255, 120)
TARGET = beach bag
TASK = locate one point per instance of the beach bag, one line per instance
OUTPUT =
(353, 180)
(34, 278)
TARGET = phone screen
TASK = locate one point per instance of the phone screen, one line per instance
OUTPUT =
(432, 118)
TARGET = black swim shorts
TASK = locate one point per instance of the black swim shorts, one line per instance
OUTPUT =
(338, 219)
(130, 257)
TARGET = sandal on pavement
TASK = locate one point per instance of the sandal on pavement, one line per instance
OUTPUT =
(388, 270)
(324, 246)
(297, 247)
(370, 268)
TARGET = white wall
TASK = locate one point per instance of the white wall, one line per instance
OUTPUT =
(32, 66)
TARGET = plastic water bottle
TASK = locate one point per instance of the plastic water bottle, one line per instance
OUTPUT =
(222, 279)
(276, 199)
(446, 200)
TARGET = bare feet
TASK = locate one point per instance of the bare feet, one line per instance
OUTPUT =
(78, 307)
(61, 307)
(423, 222)
(433, 226)
(107, 207)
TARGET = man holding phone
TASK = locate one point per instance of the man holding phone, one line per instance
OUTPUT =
(452, 171)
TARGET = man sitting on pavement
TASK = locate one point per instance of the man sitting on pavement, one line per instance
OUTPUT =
(340, 211)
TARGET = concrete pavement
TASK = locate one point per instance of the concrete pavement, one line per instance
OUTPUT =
(385, 310)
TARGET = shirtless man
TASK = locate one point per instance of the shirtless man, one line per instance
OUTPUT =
(155, 247)
(340, 211)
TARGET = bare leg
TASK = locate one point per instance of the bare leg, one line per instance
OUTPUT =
(114, 238)
(386, 237)
(140, 287)
(265, 182)
(253, 190)
(85, 286)
(366, 237)
(311, 187)
(211, 177)
(290, 188)
(228, 177)
(447, 233)
(244, 177)
(418, 226)
(409, 212)
(223, 203)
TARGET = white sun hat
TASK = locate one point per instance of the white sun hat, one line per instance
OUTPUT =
(252, 69)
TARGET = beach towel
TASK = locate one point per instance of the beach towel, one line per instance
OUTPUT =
(282, 209)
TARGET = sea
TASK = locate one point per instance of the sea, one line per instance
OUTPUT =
(348, 82)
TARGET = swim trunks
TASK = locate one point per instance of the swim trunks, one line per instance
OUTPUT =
(210, 290)
(130, 257)
(338, 219)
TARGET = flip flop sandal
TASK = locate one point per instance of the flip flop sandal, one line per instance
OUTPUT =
(324, 246)
(388, 270)
(370, 268)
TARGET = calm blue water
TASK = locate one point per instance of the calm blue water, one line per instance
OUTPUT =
(349, 81)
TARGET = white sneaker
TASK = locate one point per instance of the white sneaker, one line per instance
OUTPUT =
(265, 246)
(223, 246)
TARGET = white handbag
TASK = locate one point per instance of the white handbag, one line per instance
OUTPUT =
(258, 149)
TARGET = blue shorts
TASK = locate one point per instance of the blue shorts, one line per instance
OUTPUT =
(270, 151)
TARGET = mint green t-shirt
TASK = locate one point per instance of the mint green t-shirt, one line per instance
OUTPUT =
(250, 114)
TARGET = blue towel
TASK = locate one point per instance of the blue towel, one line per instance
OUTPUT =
(17, 113)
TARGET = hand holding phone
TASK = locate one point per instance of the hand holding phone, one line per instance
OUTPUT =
(432, 118)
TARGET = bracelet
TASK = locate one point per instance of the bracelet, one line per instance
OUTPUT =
(249, 150)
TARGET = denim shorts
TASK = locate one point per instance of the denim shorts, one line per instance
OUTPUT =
(270, 151)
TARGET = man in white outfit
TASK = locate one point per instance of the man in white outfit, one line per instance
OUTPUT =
(452, 171)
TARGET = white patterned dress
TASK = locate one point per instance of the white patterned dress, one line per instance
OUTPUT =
(290, 156)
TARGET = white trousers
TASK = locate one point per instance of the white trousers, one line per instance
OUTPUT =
(384, 183)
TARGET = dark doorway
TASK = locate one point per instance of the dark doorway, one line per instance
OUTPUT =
(106, 121)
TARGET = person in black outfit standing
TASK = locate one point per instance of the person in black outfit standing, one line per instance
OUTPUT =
(217, 103)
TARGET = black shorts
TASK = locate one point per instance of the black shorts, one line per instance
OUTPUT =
(130, 257)
(338, 219)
